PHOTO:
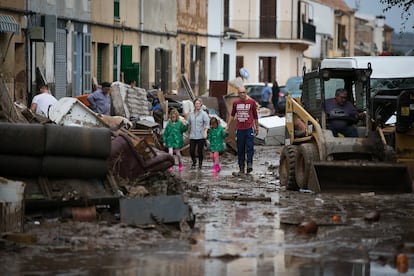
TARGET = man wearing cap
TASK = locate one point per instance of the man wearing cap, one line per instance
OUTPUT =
(100, 100)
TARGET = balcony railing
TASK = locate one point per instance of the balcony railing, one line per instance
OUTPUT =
(255, 29)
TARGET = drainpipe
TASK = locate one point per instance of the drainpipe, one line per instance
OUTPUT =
(291, 21)
(350, 40)
(27, 53)
(248, 24)
(141, 28)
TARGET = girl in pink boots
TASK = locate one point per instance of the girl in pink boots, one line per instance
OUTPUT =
(173, 137)
(215, 136)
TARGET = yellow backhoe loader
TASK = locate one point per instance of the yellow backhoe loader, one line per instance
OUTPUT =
(381, 158)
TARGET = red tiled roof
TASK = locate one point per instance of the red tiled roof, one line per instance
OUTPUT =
(336, 4)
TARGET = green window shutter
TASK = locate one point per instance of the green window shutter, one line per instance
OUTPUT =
(130, 69)
(132, 73)
(116, 9)
(99, 64)
(126, 57)
(87, 74)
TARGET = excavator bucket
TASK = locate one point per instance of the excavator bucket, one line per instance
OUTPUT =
(360, 177)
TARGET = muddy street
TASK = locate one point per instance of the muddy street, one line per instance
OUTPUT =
(245, 225)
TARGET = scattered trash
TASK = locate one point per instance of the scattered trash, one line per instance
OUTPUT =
(307, 227)
(319, 201)
(244, 198)
(306, 191)
(156, 209)
(372, 216)
(336, 218)
(20, 238)
(11, 205)
(402, 263)
(368, 194)
(84, 213)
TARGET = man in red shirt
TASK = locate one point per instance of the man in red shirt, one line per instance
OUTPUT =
(244, 111)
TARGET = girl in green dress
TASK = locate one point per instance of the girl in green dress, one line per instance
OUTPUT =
(173, 137)
(215, 136)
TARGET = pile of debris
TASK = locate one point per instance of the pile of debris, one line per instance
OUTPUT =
(77, 164)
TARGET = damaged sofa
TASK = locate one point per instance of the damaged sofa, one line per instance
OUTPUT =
(37, 150)
(54, 151)
(131, 157)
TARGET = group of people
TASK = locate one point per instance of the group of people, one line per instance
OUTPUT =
(100, 100)
(341, 115)
(203, 128)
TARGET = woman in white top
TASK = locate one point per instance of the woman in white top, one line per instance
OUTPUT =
(199, 123)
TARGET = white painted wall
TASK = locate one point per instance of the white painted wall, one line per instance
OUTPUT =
(215, 48)
(287, 60)
(323, 19)
(217, 45)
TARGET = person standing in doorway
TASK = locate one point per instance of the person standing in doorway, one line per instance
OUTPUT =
(275, 96)
(43, 101)
(100, 100)
(244, 111)
(199, 123)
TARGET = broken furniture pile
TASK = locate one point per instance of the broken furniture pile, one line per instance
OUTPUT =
(79, 163)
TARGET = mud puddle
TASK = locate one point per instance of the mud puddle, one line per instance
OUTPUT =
(245, 225)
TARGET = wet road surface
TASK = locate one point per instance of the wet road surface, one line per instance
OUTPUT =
(244, 226)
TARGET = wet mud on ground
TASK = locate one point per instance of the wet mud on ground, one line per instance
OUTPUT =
(245, 225)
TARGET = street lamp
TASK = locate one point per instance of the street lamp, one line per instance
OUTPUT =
(344, 45)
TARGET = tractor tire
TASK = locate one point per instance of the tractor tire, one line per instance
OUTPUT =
(287, 167)
(306, 154)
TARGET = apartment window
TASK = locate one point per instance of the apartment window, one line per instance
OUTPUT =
(267, 69)
(162, 69)
(99, 62)
(340, 37)
(182, 59)
(116, 63)
(193, 61)
(226, 13)
(267, 18)
(239, 64)
(226, 66)
(116, 9)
